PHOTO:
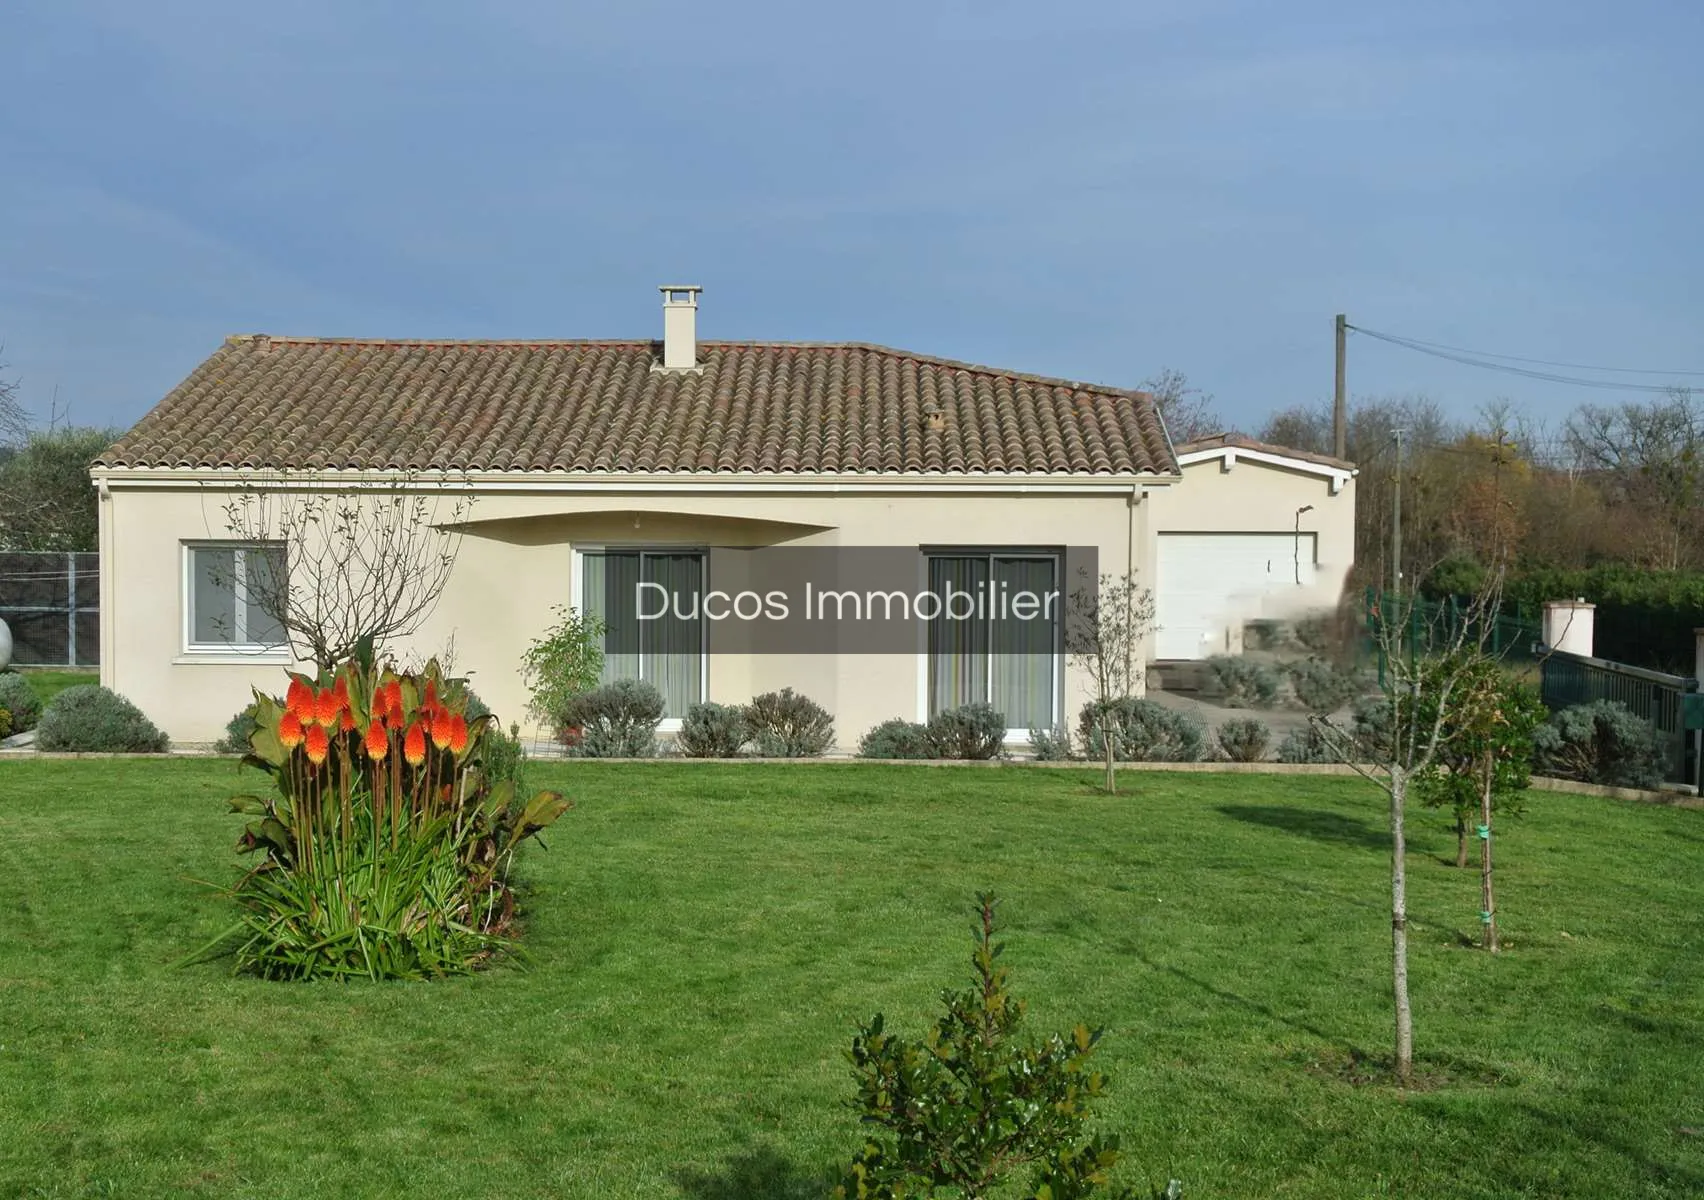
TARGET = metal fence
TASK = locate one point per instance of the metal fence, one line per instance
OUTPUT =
(1433, 625)
(51, 603)
(1568, 679)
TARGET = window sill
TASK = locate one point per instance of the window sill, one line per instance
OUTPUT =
(197, 658)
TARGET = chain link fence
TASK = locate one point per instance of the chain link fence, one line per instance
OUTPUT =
(52, 604)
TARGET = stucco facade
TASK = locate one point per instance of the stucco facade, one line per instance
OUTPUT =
(516, 561)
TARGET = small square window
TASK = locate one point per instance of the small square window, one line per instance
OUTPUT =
(234, 588)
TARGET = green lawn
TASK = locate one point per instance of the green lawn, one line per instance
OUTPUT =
(705, 938)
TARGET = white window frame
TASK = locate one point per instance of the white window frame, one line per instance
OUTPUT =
(232, 651)
(1013, 736)
(577, 589)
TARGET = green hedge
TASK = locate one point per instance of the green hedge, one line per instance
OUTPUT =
(1645, 618)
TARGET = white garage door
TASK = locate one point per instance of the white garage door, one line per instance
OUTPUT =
(1211, 582)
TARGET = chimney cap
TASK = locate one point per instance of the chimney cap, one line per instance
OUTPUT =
(687, 293)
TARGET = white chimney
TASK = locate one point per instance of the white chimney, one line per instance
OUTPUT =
(680, 327)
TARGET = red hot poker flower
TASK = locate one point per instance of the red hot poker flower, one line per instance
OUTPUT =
(377, 743)
(440, 729)
(325, 708)
(414, 745)
(299, 699)
(317, 744)
(290, 730)
(458, 733)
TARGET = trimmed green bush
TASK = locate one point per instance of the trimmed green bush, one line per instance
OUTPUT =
(1050, 745)
(1244, 682)
(92, 720)
(970, 731)
(1370, 721)
(1141, 731)
(713, 731)
(1602, 742)
(617, 720)
(896, 739)
(785, 724)
(5, 723)
(1243, 739)
(503, 755)
(1322, 686)
(18, 698)
(1306, 745)
(238, 730)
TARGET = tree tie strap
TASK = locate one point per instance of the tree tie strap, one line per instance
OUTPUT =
(1484, 832)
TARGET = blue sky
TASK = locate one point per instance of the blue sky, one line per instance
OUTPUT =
(1089, 189)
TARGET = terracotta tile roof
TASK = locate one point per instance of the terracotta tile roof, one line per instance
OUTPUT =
(1219, 441)
(295, 403)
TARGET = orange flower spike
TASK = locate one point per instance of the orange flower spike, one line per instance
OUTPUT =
(393, 702)
(299, 699)
(440, 729)
(430, 702)
(325, 708)
(377, 743)
(290, 730)
(317, 744)
(458, 733)
(414, 745)
(346, 718)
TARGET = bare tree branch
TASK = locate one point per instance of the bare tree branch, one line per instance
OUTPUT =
(364, 562)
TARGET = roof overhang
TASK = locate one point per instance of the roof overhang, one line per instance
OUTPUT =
(1230, 455)
(685, 483)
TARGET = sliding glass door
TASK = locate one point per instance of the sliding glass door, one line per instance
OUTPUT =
(665, 648)
(996, 639)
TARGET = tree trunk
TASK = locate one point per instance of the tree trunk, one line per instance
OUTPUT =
(1461, 839)
(1111, 777)
(1487, 900)
(1399, 928)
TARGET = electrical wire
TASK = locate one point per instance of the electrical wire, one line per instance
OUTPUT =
(1484, 362)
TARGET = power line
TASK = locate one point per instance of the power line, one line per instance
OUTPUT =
(1484, 361)
(1543, 362)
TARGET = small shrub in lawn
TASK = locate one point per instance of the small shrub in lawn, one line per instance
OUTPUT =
(969, 1105)
(93, 720)
(970, 731)
(1602, 742)
(1243, 739)
(5, 723)
(1141, 731)
(238, 730)
(1244, 682)
(18, 698)
(713, 731)
(1305, 745)
(1322, 686)
(896, 739)
(617, 720)
(785, 724)
(1050, 745)
(386, 840)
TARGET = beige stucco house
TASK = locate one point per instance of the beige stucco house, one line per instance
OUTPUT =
(595, 467)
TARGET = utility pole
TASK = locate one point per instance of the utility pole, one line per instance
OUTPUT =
(1340, 398)
(1396, 520)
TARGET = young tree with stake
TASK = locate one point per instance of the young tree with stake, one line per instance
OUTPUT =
(1107, 623)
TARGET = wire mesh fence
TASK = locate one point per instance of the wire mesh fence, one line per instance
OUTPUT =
(51, 603)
